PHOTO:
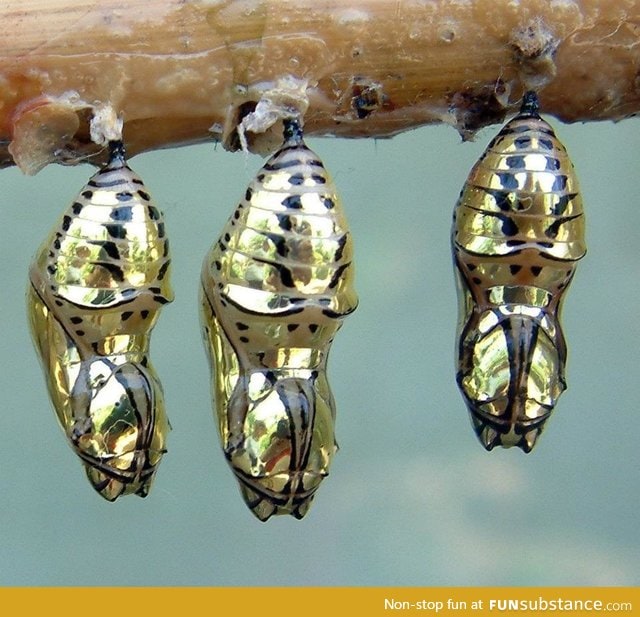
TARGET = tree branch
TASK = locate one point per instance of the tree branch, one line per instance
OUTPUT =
(186, 71)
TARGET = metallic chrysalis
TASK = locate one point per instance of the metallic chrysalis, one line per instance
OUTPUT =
(276, 286)
(96, 286)
(518, 232)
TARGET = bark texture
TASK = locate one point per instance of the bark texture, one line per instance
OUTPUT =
(181, 71)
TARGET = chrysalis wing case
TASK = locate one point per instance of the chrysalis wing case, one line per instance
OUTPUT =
(275, 289)
(97, 284)
(518, 232)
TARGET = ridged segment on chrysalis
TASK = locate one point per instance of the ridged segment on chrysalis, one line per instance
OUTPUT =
(275, 289)
(518, 232)
(97, 284)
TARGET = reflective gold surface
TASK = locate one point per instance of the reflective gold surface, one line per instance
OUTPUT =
(96, 286)
(518, 232)
(275, 288)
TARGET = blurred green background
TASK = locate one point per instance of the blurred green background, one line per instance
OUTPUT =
(412, 499)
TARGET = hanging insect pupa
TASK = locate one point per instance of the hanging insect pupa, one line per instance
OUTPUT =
(96, 286)
(518, 232)
(275, 289)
